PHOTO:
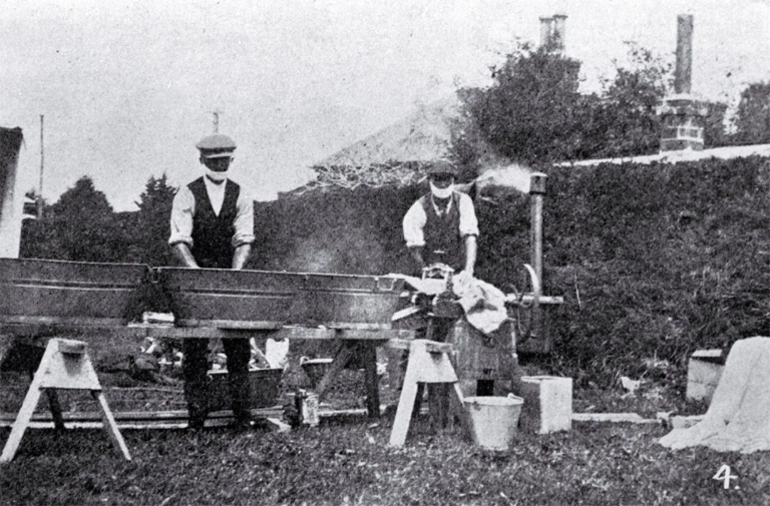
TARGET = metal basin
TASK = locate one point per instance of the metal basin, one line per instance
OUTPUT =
(347, 301)
(224, 298)
(62, 292)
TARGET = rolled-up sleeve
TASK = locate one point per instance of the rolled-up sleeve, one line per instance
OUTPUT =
(469, 224)
(414, 223)
(182, 212)
(244, 220)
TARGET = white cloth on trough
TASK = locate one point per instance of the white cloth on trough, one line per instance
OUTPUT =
(484, 304)
(737, 419)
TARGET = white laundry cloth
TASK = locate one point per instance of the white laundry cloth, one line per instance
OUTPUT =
(737, 419)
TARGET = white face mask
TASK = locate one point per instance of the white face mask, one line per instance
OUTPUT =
(441, 193)
(215, 176)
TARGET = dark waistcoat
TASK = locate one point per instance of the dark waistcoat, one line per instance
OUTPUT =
(212, 235)
(442, 234)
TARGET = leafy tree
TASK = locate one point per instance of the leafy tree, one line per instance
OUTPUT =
(151, 226)
(752, 119)
(713, 125)
(629, 121)
(526, 114)
(84, 227)
(533, 111)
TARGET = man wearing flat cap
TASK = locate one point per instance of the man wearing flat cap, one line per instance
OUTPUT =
(441, 227)
(212, 226)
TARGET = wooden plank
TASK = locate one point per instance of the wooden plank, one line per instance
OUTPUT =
(229, 324)
(164, 419)
(611, 417)
(529, 299)
(62, 321)
(142, 330)
(287, 332)
(430, 346)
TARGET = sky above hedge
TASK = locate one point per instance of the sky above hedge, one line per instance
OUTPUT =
(128, 87)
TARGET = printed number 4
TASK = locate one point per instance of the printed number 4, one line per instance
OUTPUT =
(724, 474)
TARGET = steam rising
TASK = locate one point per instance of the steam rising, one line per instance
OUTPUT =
(510, 176)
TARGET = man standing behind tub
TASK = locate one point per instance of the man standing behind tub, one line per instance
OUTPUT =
(212, 225)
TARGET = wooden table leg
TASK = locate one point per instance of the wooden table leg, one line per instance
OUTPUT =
(55, 407)
(371, 380)
(343, 354)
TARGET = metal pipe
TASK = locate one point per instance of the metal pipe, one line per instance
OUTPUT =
(537, 192)
(683, 70)
(42, 164)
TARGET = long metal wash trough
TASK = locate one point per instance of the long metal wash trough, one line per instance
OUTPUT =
(59, 297)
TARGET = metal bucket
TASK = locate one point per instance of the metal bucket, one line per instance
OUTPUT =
(494, 421)
(224, 298)
(63, 292)
(264, 385)
(315, 368)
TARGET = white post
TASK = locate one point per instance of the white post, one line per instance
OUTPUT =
(11, 201)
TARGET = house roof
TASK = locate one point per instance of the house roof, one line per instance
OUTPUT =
(687, 155)
(422, 136)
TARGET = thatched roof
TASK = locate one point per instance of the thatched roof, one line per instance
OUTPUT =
(396, 155)
(423, 136)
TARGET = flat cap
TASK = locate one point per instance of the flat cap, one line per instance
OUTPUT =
(442, 167)
(216, 146)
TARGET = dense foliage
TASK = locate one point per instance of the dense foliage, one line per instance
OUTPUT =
(653, 261)
(753, 117)
(533, 113)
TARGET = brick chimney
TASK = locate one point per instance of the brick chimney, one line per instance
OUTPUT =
(552, 32)
(682, 115)
(546, 27)
(559, 32)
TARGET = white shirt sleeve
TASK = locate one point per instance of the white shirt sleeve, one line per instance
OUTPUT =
(182, 212)
(469, 225)
(244, 220)
(414, 223)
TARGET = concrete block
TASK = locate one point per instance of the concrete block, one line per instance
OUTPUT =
(703, 372)
(547, 404)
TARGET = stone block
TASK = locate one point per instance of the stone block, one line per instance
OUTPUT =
(703, 372)
(547, 404)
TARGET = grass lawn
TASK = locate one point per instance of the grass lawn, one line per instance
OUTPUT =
(350, 462)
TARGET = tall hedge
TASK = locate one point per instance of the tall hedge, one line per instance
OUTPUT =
(654, 261)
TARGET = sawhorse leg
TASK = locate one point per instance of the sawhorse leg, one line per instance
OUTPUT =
(428, 363)
(21, 423)
(65, 365)
(110, 425)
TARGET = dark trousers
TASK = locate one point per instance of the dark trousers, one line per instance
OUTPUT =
(194, 368)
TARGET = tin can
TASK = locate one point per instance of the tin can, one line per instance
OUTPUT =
(310, 409)
(307, 407)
